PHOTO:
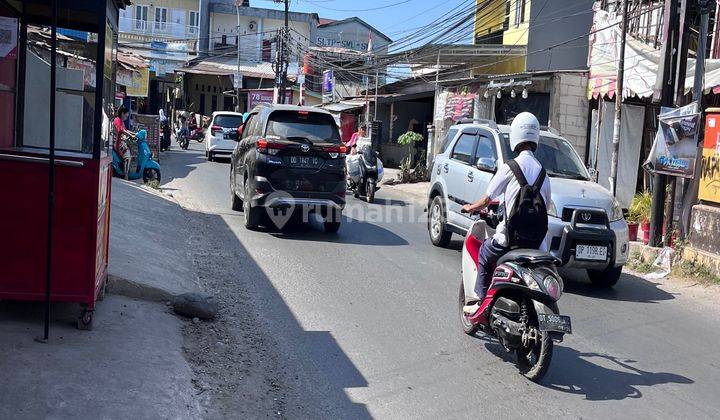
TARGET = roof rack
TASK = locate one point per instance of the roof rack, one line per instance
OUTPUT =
(492, 124)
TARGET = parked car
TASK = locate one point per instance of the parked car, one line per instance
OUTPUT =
(288, 157)
(221, 135)
(586, 228)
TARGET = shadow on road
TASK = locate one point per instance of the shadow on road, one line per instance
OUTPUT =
(388, 202)
(351, 231)
(312, 368)
(575, 373)
(629, 288)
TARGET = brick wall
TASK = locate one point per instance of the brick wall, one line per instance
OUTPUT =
(569, 108)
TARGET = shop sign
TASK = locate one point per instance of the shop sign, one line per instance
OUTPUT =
(124, 77)
(328, 86)
(8, 37)
(259, 96)
(710, 168)
(459, 106)
(140, 82)
(675, 147)
(87, 69)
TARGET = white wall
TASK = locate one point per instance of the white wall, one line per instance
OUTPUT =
(352, 35)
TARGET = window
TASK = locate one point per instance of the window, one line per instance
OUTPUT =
(228, 121)
(519, 12)
(75, 94)
(294, 125)
(464, 147)
(448, 139)
(556, 155)
(141, 17)
(161, 14)
(193, 22)
(214, 103)
(249, 123)
(485, 148)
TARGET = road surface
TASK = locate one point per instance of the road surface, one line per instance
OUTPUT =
(365, 322)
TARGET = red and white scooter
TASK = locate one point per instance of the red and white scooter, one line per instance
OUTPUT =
(520, 307)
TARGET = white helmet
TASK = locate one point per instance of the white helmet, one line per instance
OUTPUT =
(525, 128)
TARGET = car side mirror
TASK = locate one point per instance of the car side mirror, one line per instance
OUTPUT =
(486, 164)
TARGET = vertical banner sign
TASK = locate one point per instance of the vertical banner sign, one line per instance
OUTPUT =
(328, 86)
(710, 168)
(675, 147)
(151, 123)
(140, 82)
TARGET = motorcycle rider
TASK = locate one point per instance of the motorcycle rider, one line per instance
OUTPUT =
(524, 137)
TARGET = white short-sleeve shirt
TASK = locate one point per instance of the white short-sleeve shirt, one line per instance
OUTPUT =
(505, 184)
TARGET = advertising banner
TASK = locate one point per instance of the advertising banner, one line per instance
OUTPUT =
(328, 86)
(140, 82)
(710, 168)
(151, 123)
(261, 96)
(675, 147)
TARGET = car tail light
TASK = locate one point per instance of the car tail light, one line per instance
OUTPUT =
(215, 129)
(269, 147)
(335, 151)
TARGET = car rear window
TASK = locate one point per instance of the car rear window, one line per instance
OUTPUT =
(228, 121)
(300, 125)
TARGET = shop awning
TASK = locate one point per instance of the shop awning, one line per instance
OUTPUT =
(227, 66)
(641, 63)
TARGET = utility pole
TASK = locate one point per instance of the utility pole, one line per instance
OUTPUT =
(618, 100)
(237, 72)
(284, 59)
(376, 96)
(664, 93)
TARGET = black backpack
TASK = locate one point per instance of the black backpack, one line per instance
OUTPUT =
(528, 222)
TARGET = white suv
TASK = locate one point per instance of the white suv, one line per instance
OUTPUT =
(586, 228)
(221, 136)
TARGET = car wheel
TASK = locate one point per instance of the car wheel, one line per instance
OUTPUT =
(253, 215)
(439, 236)
(331, 222)
(236, 202)
(605, 278)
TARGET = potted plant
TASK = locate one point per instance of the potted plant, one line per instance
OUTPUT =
(639, 214)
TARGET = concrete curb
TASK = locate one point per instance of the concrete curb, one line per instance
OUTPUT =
(121, 286)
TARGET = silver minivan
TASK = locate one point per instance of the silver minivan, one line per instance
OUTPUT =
(586, 228)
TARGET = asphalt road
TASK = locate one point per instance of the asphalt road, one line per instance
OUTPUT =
(367, 321)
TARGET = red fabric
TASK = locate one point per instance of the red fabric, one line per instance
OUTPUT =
(119, 129)
(353, 140)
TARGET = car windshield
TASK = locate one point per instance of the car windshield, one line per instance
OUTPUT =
(228, 121)
(302, 126)
(556, 155)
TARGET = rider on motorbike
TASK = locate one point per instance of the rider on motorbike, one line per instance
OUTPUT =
(509, 182)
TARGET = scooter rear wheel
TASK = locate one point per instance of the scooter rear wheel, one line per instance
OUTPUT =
(151, 174)
(534, 362)
(468, 327)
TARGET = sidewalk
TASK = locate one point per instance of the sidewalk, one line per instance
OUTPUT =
(132, 364)
(417, 191)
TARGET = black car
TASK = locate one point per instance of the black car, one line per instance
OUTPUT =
(288, 159)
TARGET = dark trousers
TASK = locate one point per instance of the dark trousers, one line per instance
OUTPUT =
(489, 254)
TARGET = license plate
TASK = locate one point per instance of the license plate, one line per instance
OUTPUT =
(591, 252)
(229, 136)
(305, 161)
(552, 322)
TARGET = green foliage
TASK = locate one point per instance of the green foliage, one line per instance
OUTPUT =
(409, 137)
(637, 262)
(639, 210)
(695, 270)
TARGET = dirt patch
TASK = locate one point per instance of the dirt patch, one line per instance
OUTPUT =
(237, 371)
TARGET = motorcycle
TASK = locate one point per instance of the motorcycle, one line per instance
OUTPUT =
(520, 306)
(146, 168)
(198, 134)
(181, 136)
(364, 171)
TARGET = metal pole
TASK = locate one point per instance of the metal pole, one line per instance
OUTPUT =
(237, 73)
(283, 59)
(664, 92)
(376, 96)
(51, 168)
(618, 101)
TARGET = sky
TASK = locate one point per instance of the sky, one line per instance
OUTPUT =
(394, 21)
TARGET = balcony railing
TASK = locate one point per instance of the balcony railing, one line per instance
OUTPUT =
(156, 29)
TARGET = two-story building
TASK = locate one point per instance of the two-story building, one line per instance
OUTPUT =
(167, 33)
